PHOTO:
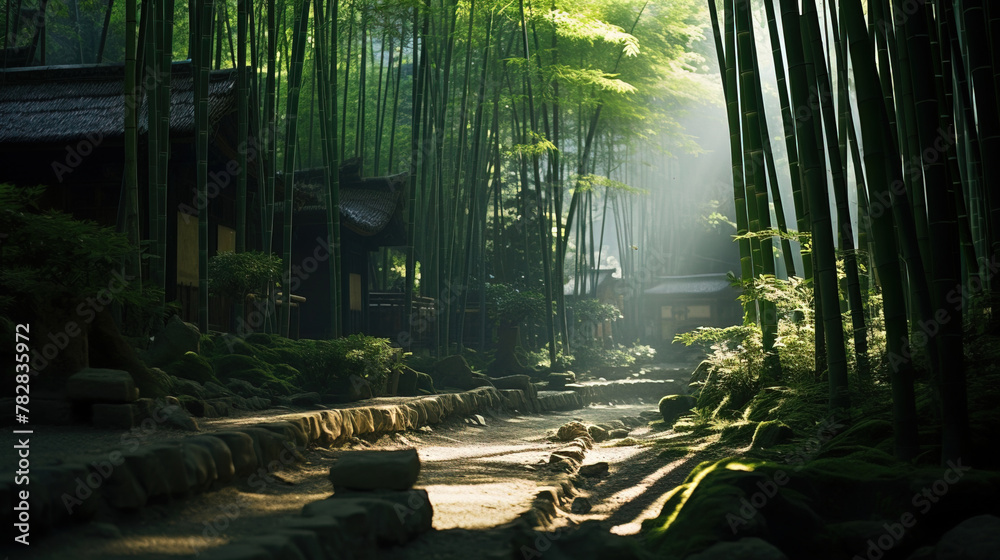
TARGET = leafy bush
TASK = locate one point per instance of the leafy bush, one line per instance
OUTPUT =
(509, 306)
(643, 354)
(591, 357)
(736, 354)
(50, 256)
(325, 366)
(592, 310)
(540, 358)
(238, 275)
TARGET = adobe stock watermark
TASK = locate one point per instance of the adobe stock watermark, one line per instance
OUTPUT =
(102, 470)
(768, 489)
(882, 201)
(292, 280)
(923, 501)
(86, 313)
(927, 329)
(901, 12)
(259, 481)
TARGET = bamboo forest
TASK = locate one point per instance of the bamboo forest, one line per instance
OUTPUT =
(478, 279)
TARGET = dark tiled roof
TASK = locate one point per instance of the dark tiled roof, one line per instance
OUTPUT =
(701, 284)
(367, 205)
(67, 103)
(367, 211)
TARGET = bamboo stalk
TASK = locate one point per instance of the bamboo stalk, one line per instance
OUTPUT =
(814, 176)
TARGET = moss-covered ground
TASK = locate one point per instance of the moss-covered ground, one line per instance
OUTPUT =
(820, 487)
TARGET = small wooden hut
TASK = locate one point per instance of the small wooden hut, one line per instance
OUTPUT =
(678, 304)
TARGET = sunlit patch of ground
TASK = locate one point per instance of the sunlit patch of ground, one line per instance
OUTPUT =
(477, 477)
(640, 478)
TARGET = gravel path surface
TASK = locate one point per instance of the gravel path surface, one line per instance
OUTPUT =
(477, 476)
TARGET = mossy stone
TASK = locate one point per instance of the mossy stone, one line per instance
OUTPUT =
(287, 373)
(261, 339)
(192, 366)
(408, 380)
(207, 345)
(738, 433)
(673, 407)
(229, 365)
(425, 383)
(770, 433)
(230, 344)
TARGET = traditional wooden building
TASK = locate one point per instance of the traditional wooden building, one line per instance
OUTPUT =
(63, 127)
(371, 216)
(677, 304)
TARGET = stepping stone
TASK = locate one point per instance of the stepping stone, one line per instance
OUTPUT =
(376, 470)
(581, 505)
(594, 469)
(102, 385)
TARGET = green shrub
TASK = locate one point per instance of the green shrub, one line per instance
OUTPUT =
(238, 275)
(591, 357)
(643, 354)
(507, 305)
(228, 364)
(249, 369)
(287, 373)
(50, 258)
(540, 358)
(593, 311)
(325, 365)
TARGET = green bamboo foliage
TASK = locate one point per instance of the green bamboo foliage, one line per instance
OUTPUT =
(543, 229)
(163, 80)
(982, 80)
(151, 74)
(416, 154)
(736, 146)
(243, 85)
(331, 177)
(839, 178)
(270, 123)
(952, 109)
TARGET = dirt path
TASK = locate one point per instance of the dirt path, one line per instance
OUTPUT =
(477, 477)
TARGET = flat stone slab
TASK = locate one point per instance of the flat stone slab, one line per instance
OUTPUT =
(102, 385)
(376, 470)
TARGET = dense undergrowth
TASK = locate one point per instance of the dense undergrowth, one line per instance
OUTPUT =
(812, 485)
(284, 366)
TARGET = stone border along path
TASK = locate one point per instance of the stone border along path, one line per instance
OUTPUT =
(128, 480)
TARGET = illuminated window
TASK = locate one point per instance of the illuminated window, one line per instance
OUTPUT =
(355, 280)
